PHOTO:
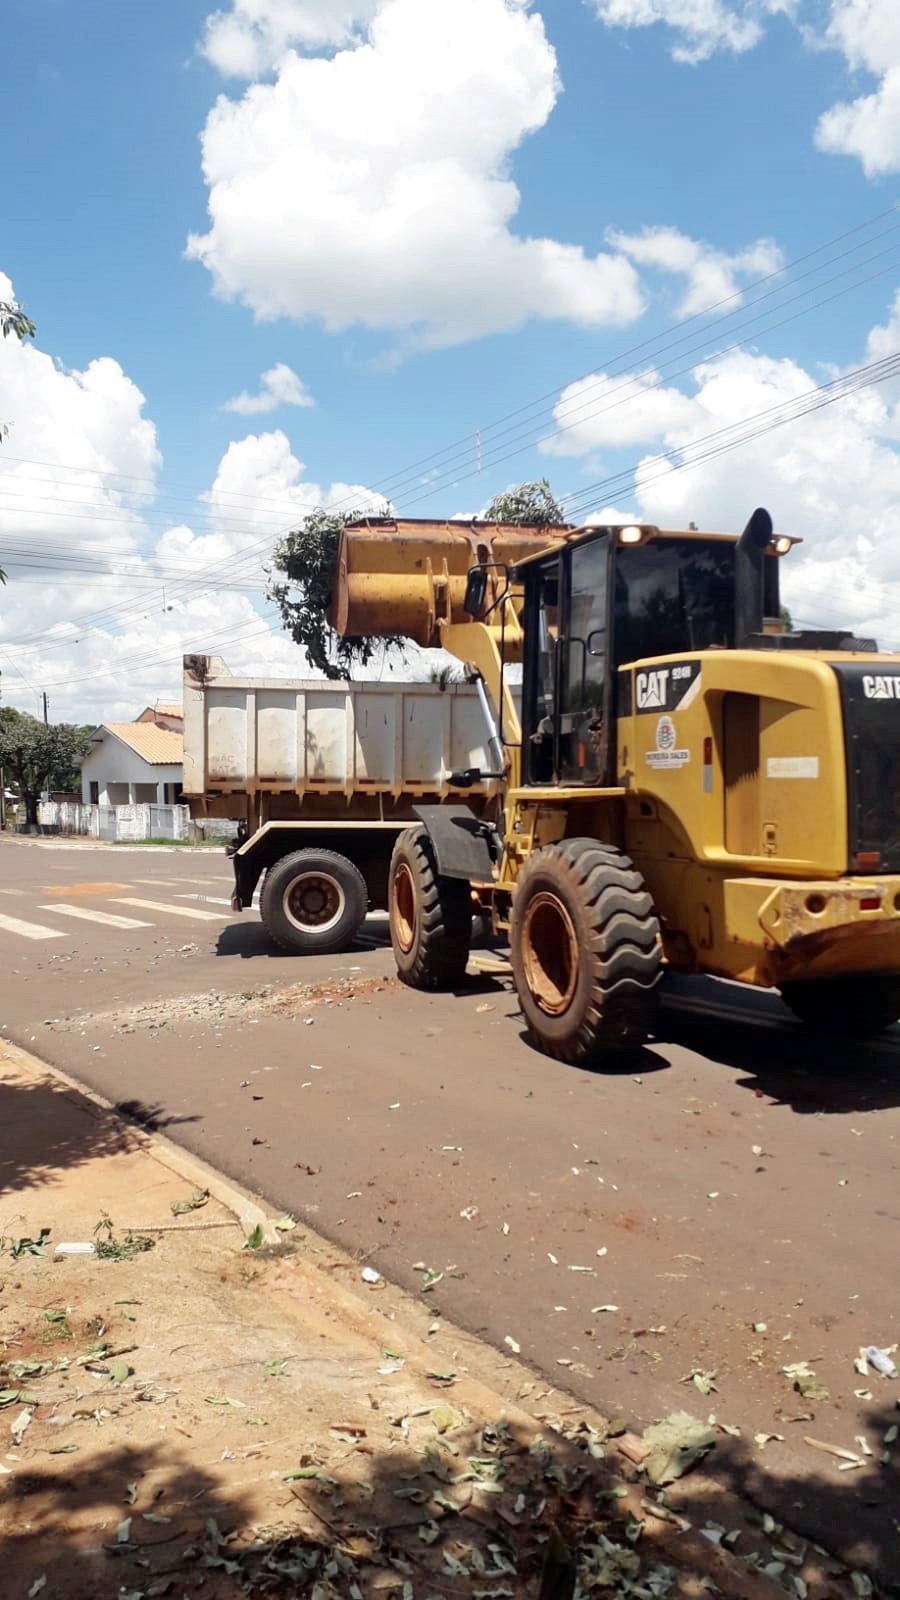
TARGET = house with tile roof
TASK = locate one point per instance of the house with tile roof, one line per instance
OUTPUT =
(136, 763)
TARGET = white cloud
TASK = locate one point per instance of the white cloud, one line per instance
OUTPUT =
(278, 387)
(603, 412)
(106, 590)
(372, 187)
(702, 28)
(712, 275)
(867, 32)
(254, 35)
(832, 478)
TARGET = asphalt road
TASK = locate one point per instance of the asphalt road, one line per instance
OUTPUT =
(724, 1206)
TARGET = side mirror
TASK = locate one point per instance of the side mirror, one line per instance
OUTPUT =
(476, 592)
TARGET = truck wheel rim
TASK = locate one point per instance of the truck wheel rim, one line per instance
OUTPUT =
(403, 908)
(314, 901)
(549, 948)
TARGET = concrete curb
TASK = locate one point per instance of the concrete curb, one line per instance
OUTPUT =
(670, 1544)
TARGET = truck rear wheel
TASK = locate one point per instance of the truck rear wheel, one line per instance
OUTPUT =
(861, 1005)
(313, 902)
(431, 916)
(585, 951)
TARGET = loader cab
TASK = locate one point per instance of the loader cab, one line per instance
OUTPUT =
(604, 599)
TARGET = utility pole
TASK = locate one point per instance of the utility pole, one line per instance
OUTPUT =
(46, 718)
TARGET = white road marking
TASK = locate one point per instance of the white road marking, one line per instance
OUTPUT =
(208, 899)
(175, 911)
(28, 930)
(12, 891)
(160, 883)
(106, 917)
(204, 883)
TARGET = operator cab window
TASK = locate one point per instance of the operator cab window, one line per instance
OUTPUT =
(583, 668)
(673, 596)
(566, 669)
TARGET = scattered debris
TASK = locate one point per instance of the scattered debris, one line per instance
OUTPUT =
(676, 1444)
(833, 1450)
(369, 1275)
(20, 1425)
(881, 1361)
(805, 1381)
(85, 1249)
(28, 1247)
(704, 1382)
(111, 1248)
(180, 1208)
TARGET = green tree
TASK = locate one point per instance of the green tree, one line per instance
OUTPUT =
(13, 320)
(530, 505)
(36, 757)
(307, 561)
(304, 565)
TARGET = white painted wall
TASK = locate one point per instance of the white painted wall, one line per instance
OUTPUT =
(112, 765)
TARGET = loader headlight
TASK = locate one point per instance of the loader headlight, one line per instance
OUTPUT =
(630, 535)
(782, 545)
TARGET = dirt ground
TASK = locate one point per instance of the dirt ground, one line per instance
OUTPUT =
(215, 1402)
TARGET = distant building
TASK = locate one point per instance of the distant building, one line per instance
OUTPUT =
(136, 763)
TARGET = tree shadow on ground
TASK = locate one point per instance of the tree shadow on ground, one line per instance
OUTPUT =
(448, 1508)
(45, 1129)
(782, 1059)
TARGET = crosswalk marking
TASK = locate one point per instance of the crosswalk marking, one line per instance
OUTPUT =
(83, 888)
(28, 930)
(205, 883)
(175, 911)
(157, 883)
(108, 918)
(208, 899)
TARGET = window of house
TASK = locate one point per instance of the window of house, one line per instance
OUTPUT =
(95, 793)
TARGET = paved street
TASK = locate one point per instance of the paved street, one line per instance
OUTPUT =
(725, 1206)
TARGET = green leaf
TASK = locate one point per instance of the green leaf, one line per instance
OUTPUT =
(198, 1198)
(256, 1238)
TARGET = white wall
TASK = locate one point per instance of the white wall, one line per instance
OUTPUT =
(112, 762)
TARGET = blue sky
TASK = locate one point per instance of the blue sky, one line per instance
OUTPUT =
(426, 215)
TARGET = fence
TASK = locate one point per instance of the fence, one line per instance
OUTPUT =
(128, 824)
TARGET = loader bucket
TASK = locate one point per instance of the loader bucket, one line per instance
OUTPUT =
(407, 578)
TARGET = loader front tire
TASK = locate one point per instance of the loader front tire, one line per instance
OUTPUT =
(858, 1006)
(431, 916)
(313, 902)
(585, 951)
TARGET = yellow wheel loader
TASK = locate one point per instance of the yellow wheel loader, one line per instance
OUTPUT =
(684, 783)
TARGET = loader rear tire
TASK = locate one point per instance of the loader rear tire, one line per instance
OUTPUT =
(585, 951)
(858, 1006)
(431, 916)
(313, 902)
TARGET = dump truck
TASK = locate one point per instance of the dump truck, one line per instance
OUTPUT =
(685, 785)
(320, 778)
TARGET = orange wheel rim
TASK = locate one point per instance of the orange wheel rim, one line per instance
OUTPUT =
(403, 908)
(549, 948)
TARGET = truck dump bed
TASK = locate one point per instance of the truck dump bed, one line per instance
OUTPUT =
(245, 737)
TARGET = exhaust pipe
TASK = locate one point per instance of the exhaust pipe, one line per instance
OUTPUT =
(749, 576)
